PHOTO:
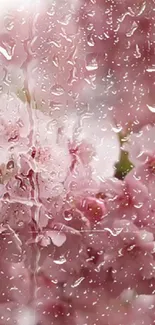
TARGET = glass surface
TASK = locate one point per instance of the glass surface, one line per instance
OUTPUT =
(77, 162)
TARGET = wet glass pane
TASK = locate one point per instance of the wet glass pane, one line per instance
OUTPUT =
(77, 162)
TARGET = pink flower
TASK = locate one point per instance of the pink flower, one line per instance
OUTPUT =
(141, 146)
(120, 42)
(77, 244)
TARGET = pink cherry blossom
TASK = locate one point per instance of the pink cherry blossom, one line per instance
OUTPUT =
(120, 40)
(77, 245)
(140, 146)
(41, 33)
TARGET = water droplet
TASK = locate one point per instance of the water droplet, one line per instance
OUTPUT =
(51, 11)
(57, 90)
(60, 261)
(90, 40)
(7, 51)
(55, 60)
(151, 69)
(92, 64)
(57, 190)
(10, 165)
(58, 238)
(43, 87)
(117, 129)
(9, 23)
(50, 126)
(138, 205)
(65, 20)
(151, 108)
(142, 9)
(90, 26)
(133, 29)
(20, 224)
(98, 269)
(121, 18)
(137, 54)
(68, 215)
(77, 282)
(116, 233)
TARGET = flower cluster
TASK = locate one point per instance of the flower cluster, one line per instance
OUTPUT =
(77, 163)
